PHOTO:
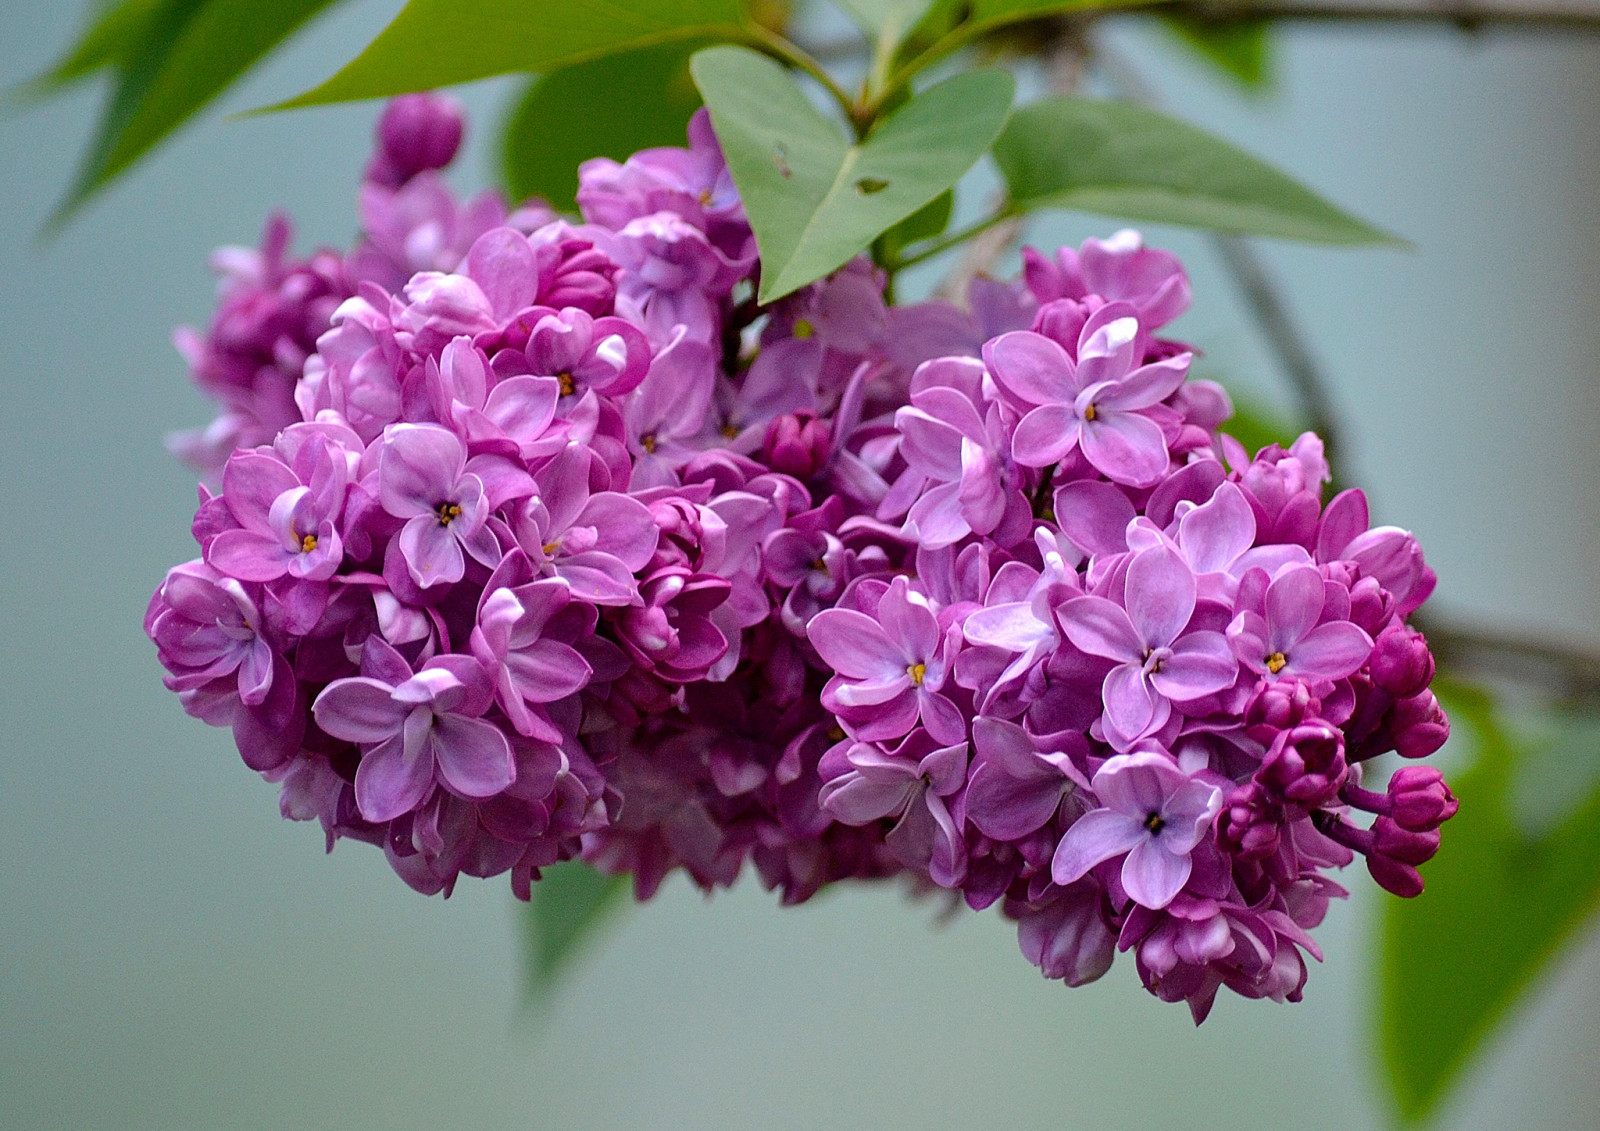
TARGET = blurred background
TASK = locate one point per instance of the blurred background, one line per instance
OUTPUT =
(173, 955)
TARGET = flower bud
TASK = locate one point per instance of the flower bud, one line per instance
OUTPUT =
(797, 443)
(1371, 605)
(1405, 845)
(1419, 799)
(1418, 725)
(417, 132)
(1280, 705)
(1304, 766)
(1401, 879)
(1249, 827)
(1401, 663)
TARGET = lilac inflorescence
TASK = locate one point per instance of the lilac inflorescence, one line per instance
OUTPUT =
(528, 540)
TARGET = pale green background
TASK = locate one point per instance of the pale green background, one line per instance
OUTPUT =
(174, 955)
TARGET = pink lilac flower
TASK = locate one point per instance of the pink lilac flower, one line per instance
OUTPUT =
(1092, 401)
(1154, 816)
(423, 479)
(416, 730)
(1158, 661)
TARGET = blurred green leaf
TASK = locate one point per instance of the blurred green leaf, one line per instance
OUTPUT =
(1122, 160)
(566, 907)
(1240, 49)
(104, 43)
(814, 199)
(179, 57)
(434, 43)
(607, 107)
(872, 16)
(926, 222)
(1256, 426)
(1501, 902)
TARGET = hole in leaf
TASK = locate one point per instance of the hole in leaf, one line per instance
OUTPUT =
(780, 157)
(866, 186)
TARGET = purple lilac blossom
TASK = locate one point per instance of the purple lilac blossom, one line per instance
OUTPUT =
(527, 542)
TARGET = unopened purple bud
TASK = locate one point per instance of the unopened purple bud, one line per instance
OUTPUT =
(797, 443)
(1280, 705)
(417, 132)
(1408, 846)
(1371, 605)
(1419, 799)
(1401, 879)
(1418, 725)
(1305, 766)
(1401, 662)
(1249, 827)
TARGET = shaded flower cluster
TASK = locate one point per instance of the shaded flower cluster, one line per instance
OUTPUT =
(528, 540)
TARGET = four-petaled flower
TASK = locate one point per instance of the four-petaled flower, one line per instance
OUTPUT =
(1154, 813)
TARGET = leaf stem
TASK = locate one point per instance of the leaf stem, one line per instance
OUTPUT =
(946, 242)
(787, 51)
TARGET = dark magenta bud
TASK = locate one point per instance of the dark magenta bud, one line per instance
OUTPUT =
(1408, 846)
(1418, 725)
(1280, 705)
(1401, 879)
(1249, 827)
(797, 444)
(1419, 799)
(1401, 663)
(1371, 605)
(1305, 766)
(417, 132)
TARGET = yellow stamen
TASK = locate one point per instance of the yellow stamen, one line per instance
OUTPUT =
(803, 329)
(1089, 413)
(1276, 661)
(648, 442)
(917, 672)
(550, 548)
(308, 542)
(704, 197)
(568, 385)
(448, 512)
(836, 733)
(730, 431)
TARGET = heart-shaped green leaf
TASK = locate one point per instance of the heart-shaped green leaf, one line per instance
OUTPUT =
(1122, 160)
(434, 43)
(814, 199)
(1502, 900)
(607, 107)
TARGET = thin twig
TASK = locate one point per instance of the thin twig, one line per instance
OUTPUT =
(1509, 16)
(1571, 671)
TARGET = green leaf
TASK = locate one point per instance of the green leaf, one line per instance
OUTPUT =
(926, 222)
(814, 199)
(1502, 901)
(186, 53)
(872, 16)
(103, 44)
(1240, 49)
(1122, 160)
(1256, 426)
(434, 43)
(566, 907)
(607, 107)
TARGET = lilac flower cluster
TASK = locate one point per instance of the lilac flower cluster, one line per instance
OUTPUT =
(533, 540)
